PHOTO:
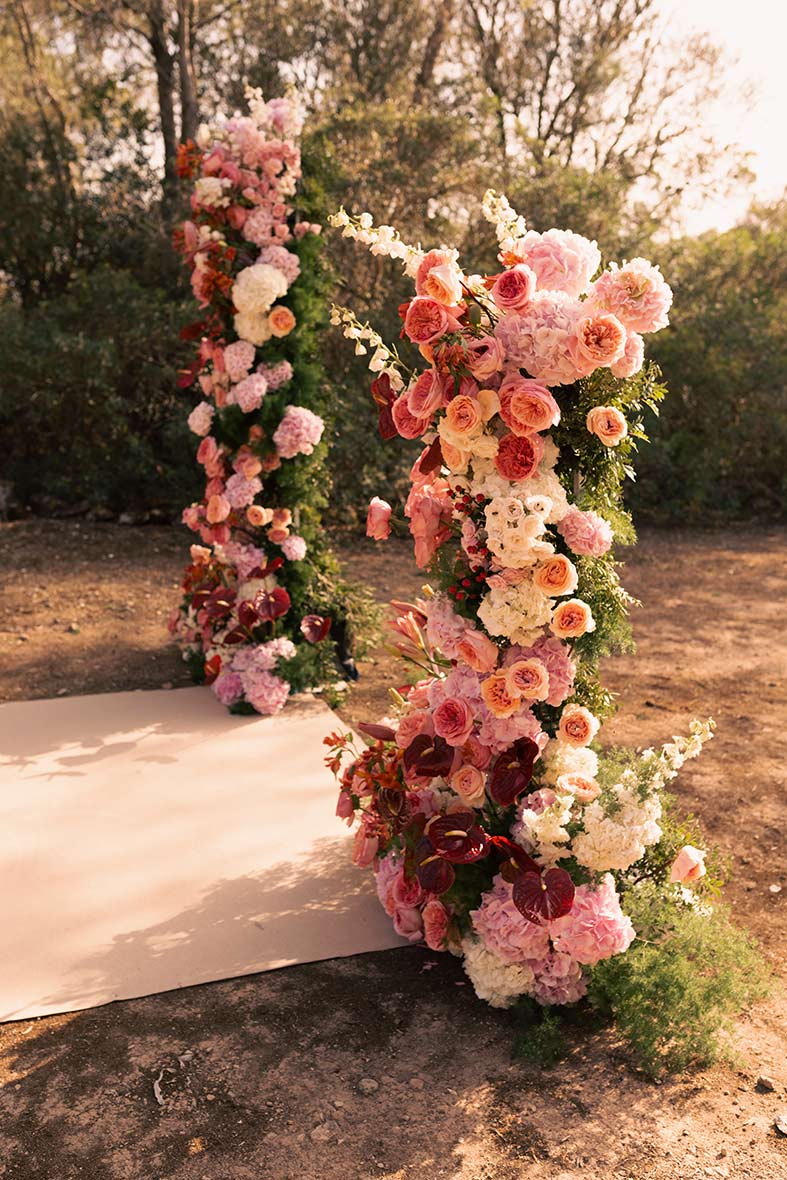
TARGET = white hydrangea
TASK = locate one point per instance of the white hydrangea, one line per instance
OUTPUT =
(513, 534)
(618, 841)
(543, 832)
(257, 288)
(252, 328)
(211, 192)
(499, 983)
(518, 613)
(561, 758)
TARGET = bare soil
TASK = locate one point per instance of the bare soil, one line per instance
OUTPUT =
(385, 1066)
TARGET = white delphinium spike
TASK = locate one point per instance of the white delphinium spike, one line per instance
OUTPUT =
(507, 222)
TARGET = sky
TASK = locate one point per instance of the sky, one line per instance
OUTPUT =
(754, 32)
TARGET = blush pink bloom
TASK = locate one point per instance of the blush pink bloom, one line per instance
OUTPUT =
(518, 456)
(444, 627)
(453, 720)
(541, 338)
(407, 425)
(561, 260)
(435, 919)
(365, 847)
(200, 419)
(218, 509)
(599, 342)
(426, 394)
(556, 576)
(238, 359)
(470, 784)
(477, 650)
(412, 725)
(608, 425)
(571, 619)
(527, 406)
(595, 928)
(429, 510)
(241, 491)
(558, 979)
(578, 726)
(378, 519)
(268, 694)
(586, 533)
(529, 679)
(293, 547)
(386, 871)
(283, 259)
(485, 357)
(584, 789)
(298, 433)
(249, 392)
(513, 289)
(504, 930)
(689, 865)
(228, 688)
(276, 375)
(636, 293)
(439, 277)
(633, 357)
(408, 924)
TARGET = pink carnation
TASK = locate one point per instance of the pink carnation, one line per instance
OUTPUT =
(238, 359)
(558, 979)
(298, 433)
(542, 338)
(504, 930)
(276, 375)
(555, 657)
(283, 259)
(249, 392)
(595, 928)
(562, 260)
(241, 491)
(228, 688)
(586, 533)
(636, 293)
(200, 419)
(294, 548)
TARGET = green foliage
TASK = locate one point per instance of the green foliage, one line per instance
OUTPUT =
(539, 1036)
(676, 991)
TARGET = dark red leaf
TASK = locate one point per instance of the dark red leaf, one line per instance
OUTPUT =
(457, 837)
(432, 458)
(315, 628)
(381, 733)
(434, 874)
(512, 772)
(429, 756)
(542, 897)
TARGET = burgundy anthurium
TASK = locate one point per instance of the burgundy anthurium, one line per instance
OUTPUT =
(219, 603)
(384, 396)
(434, 873)
(237, 635)
(264, 571)
(457, 837)
(315, 628)
(542, 897)
(380, 733)
(272, 604)
(512, 772)
(247, 615)
(432, 457)
(430, 756)
(212, 669)
(515, 859)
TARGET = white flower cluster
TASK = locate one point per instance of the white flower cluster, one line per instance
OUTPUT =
(519, 612)
(382, 359)
(507, 222)
(499, 983)
(381, 239)
(514, 535)
(254, 292)
(562, 758)
(617, 841)
(486, 480)
(212, 192)
(543, 832)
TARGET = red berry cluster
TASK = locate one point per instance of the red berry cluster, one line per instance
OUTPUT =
(470, 584)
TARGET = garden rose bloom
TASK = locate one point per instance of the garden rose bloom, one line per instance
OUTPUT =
(528, 679)
(586, 533)
(514, 288)
(200, 419)
(470, 784)
(426, 394)
(583, 788)
(556, 576)
(633, 357)
(555, 657)
(477, 650)
(406, 423)
(453, 720)
(412, 725)
(561, 260)
(485, 357)
(426, 320)
(577, 726)
(572, 619)
(527, 406)
(435, 920)
(688, 866)
(281, 321)
(378, 519)
(595, 928)
(600, 341)
(439, 277)
(518, 456)
(408, 924)
(608, 424)
(497, 696)
(636, 293)
(463, 415)
(218, 509)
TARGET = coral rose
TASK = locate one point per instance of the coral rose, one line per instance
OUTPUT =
(477, 651)
(497, 696)
(527, 406)
(556, 576)
(281, 321)
(378, 519)
(428, 392)
(600, 341)
(572, 619)
(514, 288)
(435, 920)
(218, 509)
(463, 415)
(426, 320)
(528, 679)
(689, 865)
(577, 726)
(453, 720)
(518, 456)
(439, 277)
(608, 425)
(406, 424)
(470, 784)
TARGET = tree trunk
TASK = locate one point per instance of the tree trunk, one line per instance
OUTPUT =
(432, 49)
(189, 115)
(165, 88)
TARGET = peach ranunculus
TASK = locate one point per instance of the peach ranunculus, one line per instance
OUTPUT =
(477, 651)
(426, 394)
(527, 406)
(281, 321)
(378, 519)
(608, 425)
(426, 320)
(453, 720)
(439, 277)
(578, 726)
(513, 289)
(600, 341)
(571, 619)
(463, 415)
(497, 696)
(584, 789)
(556, 576)
(470, 784)
(689, 865)
(528, 678)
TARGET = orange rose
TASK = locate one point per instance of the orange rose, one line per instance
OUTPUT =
(257, 516)
(608, 424)
(463, 415)
(497, 697)
(556, 576)
(572, 619)
(529, 679)
(281, 321)
(577, 726)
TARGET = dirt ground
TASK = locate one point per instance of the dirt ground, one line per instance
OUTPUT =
(385, 1066)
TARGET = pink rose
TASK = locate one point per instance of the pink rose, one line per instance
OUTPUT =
(485, 357)
(514, 288)
(577, 726)
(600, 341)
(412, 725)
(689, 865)
(405, 422)
(426, 394)
(435, 920)
(426, 320)
(408, 924)
(453, 720)
(608, 424)
(429, 511)
(518, 456)
(571, 619)
(406, 892)
(633, 357)
(477, 651)
(470, 784)
(527, 406)
(439, 277)
(586, 533)
(378, 519)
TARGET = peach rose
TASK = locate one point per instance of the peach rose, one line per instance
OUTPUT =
(278, 534)
(571, 619)
(439, 277)
(584, 789)
(527, 406)
(456, 460)
(426, 320)
(608, 424)
(281, 321)
(485, 357)
(556, 576)
(470, 784)
(689, 865)
(218, 509)
(577, 726)
(513, 289)
(435, 919)
(247, 465)
(199, 554)
(463, 415)
(529, 679)
(453, 720)
(477, 651)
(406, 423)
(378, 519)
(281, 517)
(600, 342)
(258, 516)
(497, 696)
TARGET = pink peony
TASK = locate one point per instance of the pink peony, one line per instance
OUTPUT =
(586, 533)
(200, 419)
(636, 293)
(435, 919)
(238, 359)
(293, 547)
(453, 720)
(633, 357)
(504, 930)
(595, 928)
(298, 433)
(542, 338)
(513, 289)
(378, 519)
(558, 979)
(561, 260)
(249, 392)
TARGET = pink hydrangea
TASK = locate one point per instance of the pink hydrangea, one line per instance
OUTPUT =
(541, 339)
(245, 558)
(555, 657)
(238, 359)
(228, 688)
(636, 293)
(283, 259)
(595, 928)
(586, 533)
(558, 979)
(298, 433)
(276, 375)
(200, 419)
(498, 733)
(268, 693)
(562, 260)
(260, 227)
(249, 392)
(241, 491)
(294, 547)
(504, 930)
(444, 627)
